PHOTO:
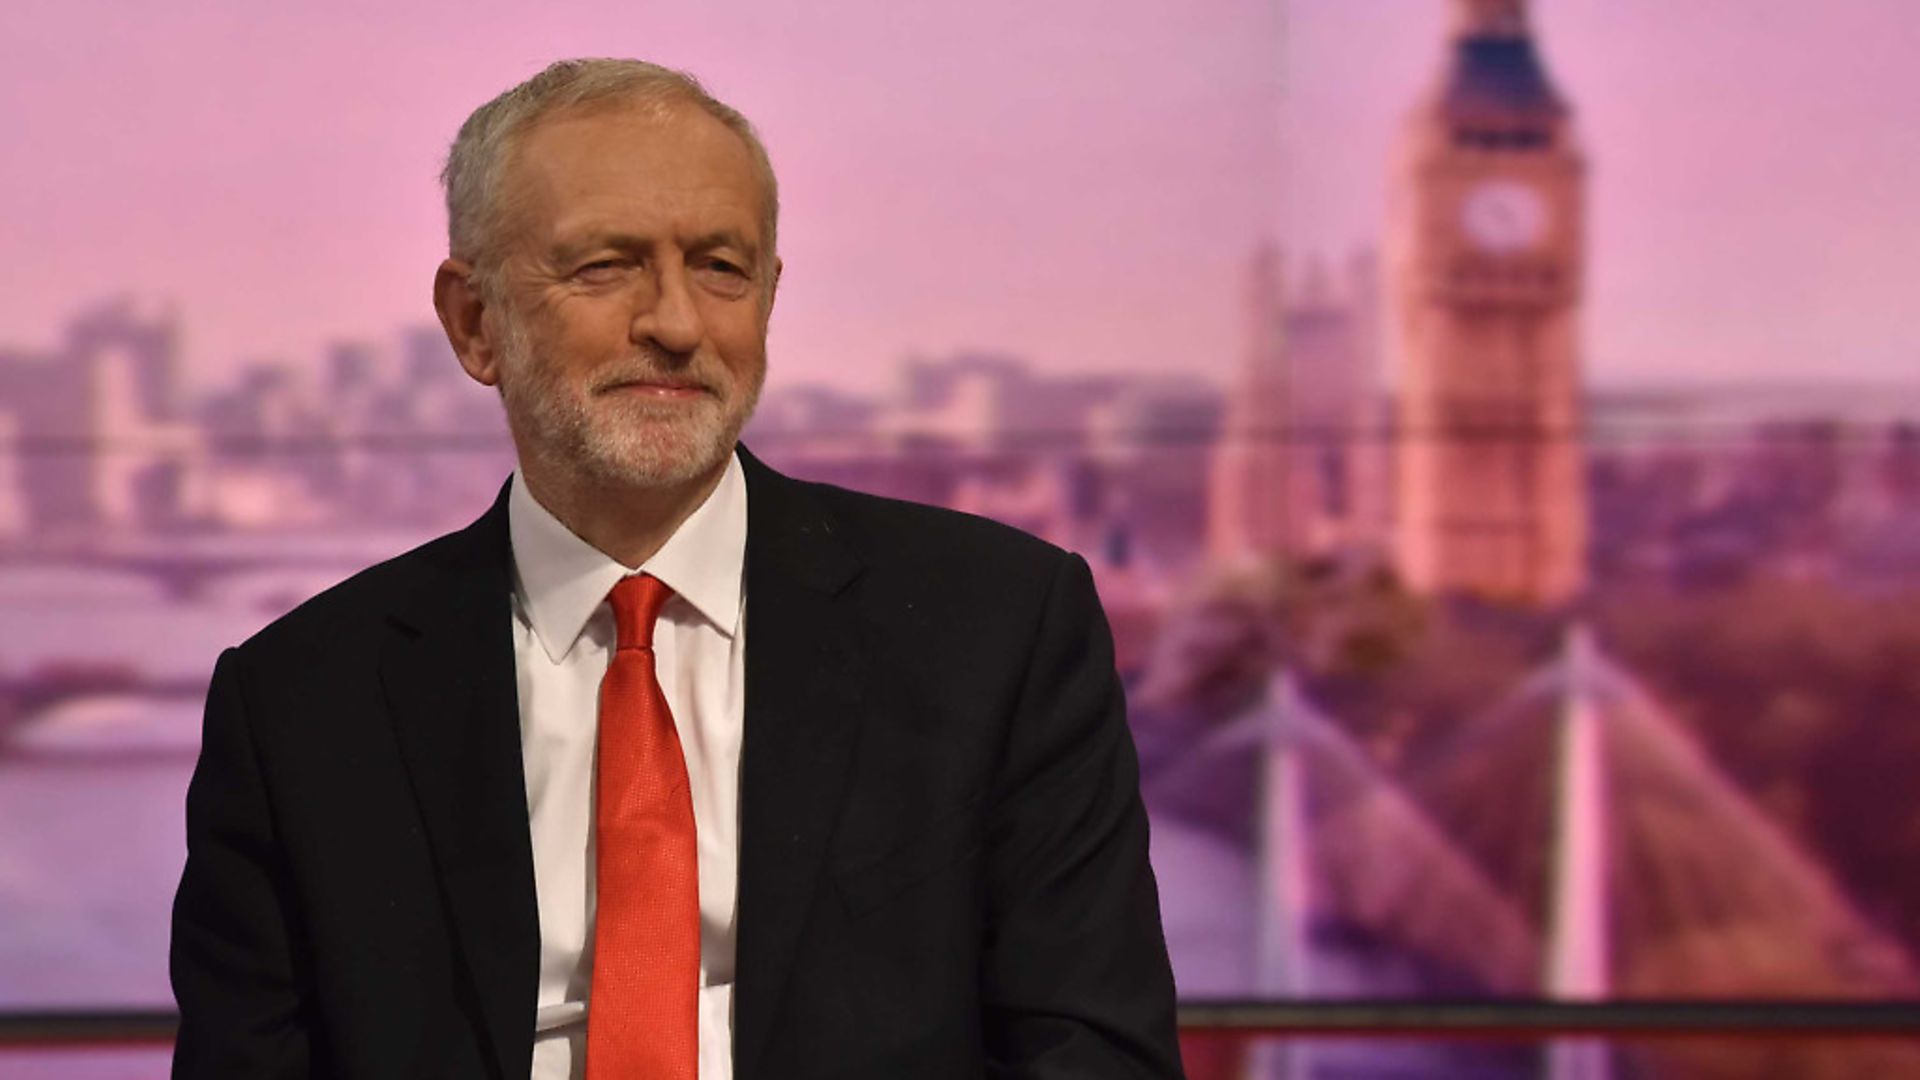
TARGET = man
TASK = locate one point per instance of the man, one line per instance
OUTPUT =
(526, 802)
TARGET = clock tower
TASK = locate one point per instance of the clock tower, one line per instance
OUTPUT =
(1486, 241)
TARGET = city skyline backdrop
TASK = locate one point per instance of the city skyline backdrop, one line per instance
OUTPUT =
(1084, 191)
(1533, 691)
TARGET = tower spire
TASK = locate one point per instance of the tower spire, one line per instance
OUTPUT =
(1489, 18)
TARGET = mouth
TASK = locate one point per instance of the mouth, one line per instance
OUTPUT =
(656, 389)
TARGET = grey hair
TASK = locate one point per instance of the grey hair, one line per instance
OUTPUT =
(477, 160)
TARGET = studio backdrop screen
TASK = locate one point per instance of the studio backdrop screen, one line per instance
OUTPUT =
(1494, 428)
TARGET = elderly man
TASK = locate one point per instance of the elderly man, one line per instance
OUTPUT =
(668, 766)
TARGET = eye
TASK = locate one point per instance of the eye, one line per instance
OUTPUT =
(726, 279)
(600, 269)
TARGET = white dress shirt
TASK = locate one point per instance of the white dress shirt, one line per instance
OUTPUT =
(563, 638)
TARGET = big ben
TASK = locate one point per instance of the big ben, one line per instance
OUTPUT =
(1486, 238)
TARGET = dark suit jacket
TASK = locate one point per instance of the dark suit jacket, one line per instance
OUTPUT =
(943, 865)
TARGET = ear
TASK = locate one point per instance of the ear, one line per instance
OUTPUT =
(773, 289)
(462, 310)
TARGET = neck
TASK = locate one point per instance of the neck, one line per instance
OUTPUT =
(625, 522)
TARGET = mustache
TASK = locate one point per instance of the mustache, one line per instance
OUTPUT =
(659, 373)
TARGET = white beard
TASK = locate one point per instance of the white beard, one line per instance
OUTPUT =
(622, 440)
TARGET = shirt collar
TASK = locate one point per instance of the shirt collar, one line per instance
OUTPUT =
(562, 579)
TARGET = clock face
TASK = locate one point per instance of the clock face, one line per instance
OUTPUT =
(1504, 216)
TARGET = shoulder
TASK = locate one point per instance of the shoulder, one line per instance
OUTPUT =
(344, 617)
(940, 583)
(887, 532)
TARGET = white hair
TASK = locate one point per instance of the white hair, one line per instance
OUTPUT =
(479, 154)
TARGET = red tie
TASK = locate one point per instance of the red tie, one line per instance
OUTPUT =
(643, 1009)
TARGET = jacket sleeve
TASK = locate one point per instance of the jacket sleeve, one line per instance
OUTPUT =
(1075, 980)
(236, 960)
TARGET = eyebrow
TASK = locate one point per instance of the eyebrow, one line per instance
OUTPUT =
(724, 238)
(575, 246)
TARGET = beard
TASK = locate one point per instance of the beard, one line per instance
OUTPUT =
(624, 439)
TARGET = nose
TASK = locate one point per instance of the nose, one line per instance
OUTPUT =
(672, 321)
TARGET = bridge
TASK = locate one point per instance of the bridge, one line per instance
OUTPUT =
(185, 567)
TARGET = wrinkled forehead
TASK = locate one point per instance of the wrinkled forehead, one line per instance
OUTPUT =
(604, 157)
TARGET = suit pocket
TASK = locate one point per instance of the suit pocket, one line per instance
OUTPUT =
(950, 839)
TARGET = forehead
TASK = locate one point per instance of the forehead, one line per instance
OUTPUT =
(629, 167)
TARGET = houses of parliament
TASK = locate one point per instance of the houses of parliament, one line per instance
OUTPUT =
(1467, 478)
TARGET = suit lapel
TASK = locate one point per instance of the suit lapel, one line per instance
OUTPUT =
(805, 673)
(448, 672)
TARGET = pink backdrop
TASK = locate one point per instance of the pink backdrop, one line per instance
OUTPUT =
(1017, 243)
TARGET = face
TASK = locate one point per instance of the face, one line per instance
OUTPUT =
(630, 319)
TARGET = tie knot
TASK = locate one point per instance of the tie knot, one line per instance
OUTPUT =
(637, 601)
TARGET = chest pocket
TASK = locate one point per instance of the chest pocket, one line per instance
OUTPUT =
(950, 839)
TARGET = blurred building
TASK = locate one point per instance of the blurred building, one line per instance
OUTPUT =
(1300, 468)
(1701, 488)
(1246, 509)
(444, 437)
(13, 509)
(396, 435)
(104, 445)
(1150, 444)
(1487, 255)
(1112, 466)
